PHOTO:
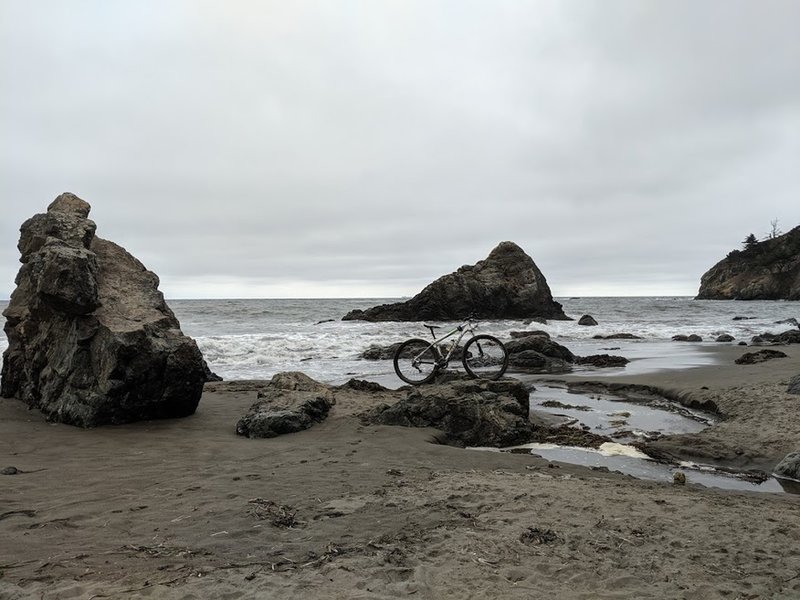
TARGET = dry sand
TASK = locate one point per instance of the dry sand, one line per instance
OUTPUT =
(186, 509)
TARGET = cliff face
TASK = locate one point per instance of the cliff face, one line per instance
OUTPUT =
(505, 285)
(769, 270)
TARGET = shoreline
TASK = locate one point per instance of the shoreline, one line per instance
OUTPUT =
(167, 509)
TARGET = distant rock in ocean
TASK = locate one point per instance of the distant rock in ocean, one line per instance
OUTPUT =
(766, 270)
(91, 340)
(506, 285)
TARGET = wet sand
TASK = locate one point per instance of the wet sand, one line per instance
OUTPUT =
(186, 509)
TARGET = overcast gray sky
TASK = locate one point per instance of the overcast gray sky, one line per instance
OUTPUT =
(363, 148)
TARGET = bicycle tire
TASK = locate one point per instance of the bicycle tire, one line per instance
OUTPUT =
(485, 357)
(416, 361)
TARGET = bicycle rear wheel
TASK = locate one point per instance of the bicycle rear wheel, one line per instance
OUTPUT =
(485, 357)
(415, 361)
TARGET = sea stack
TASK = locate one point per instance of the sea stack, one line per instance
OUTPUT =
(91, 339)
(506, 285)
(765, 270)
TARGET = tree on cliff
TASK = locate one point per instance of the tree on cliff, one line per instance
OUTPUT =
(750, 242)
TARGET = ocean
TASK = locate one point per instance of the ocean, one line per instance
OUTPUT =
(254, 339)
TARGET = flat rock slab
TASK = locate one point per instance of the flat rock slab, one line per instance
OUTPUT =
(751, 358)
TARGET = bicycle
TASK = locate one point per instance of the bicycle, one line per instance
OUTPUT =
(417, 361)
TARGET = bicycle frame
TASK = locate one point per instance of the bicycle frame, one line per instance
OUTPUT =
(468, 326)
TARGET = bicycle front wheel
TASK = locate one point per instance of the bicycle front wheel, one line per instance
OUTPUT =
(485, 357)
(415, 361)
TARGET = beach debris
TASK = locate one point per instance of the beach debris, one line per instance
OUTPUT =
(679, 478)
(91, 338)
(587, 320)
(751, 358)
(279, 515)
(536, 535)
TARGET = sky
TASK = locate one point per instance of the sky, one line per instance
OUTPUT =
(365, 148)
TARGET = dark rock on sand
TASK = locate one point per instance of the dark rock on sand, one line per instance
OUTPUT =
(506, 285)
(789, 466)
(90, 338)
(725, 337)
(794, 385)
(602, 360)
(617, 336)
(291, 402)
(470, 413)
(587, 320)
(743, 318)
(751, 358)
(687, 338)
(768, 270)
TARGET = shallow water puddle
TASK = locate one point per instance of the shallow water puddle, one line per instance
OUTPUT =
(626, 421)
(613, 417)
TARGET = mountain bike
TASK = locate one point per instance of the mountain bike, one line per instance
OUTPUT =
(418, 361)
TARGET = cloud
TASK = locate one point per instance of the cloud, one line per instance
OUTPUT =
(348, 148)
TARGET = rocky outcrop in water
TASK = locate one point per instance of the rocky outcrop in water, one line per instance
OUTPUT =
(767, 270)
(91, 340)
(587, 320)
(506, 285)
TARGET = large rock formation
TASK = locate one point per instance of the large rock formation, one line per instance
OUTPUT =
(91, 340)
(767, 270)
(506, 285)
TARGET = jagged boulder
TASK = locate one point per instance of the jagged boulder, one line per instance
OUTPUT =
(291, 402)
(470, 413)
(789, 466)
(506, 285)
(91, 340)
(767, 270)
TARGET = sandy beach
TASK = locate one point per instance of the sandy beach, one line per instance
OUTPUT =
(187, 509)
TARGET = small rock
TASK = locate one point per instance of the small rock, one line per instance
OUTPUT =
(9, 471)
(587, 320)
(751, 358)
(687, 338)
(679, 478)
(789, 466)
(794, 385)
(725, 337)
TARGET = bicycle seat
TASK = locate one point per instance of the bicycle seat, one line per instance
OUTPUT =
(432, 327)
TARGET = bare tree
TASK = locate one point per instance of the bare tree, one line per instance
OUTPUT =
(775, 230)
